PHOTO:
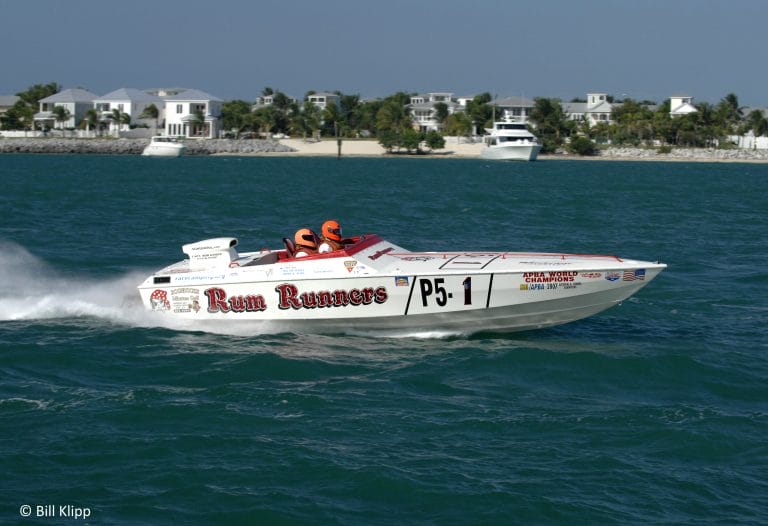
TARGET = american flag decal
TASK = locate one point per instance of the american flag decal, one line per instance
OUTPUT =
(632, 275)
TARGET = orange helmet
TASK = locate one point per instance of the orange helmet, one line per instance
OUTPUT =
(332, 230)
(305, 238)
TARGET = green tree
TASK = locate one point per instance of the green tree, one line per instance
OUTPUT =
(235, 116)
(62, 116)
(411, 140)
(458, 124)
(480, 111)
(119, 118)
(728, 113)
(434, 140)
(313, 117)
(550, 121)
(757, 123)
(393, 116)
(581, 146)
(91, 120)
(21, 115)
(151, 112)
(441, 112)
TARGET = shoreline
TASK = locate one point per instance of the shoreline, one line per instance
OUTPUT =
(357, 148)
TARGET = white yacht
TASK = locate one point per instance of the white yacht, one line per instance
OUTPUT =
(510, 140)
(164, 146)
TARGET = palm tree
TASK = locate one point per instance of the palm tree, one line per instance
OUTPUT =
(61, 115)
(758, 124)
(151, 112)
(119, 118)
(91, 119)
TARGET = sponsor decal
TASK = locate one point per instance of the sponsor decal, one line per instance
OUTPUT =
(219, 302)
(159, 300)
(612, 276)
(554, 276)
(401, 281)
(591, 275)
(185, 300)
(292, 270)
(549, 286)
(216, 277)
(632, 275)
(377, 255)
(349, 265)
(290, 298)
(546, 263)
(417, 258)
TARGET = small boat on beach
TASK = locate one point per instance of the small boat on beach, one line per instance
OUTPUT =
(374, 284)
(510, 141)
(164, 146)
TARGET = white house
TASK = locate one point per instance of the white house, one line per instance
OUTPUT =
(75, 100)
(268, 100)
(323, 99)
(681, 105)
(597, 109)
(193, 113)
(7, 102)
(515, 109)
(130, 101)
(423, 112)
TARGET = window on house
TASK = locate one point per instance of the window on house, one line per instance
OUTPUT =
(179, 108)
(120, 107)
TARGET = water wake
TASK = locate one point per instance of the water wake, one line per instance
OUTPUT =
(31, 289)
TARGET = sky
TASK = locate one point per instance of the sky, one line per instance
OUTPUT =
(233, 49)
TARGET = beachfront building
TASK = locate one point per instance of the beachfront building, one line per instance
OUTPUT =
(192, 114)
(323, 99)
(131, 102)
(681, 105)
(263, 101)
(7, 102)
(513, 109)
(595, 110)
(75, 101)
(423, 112)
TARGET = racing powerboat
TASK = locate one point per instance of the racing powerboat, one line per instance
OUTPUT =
(374, 284)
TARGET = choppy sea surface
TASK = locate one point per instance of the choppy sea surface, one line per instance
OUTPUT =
(653, 412)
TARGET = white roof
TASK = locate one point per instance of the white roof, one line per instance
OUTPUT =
(71, 95)
(8, 100)
(129, 94)
(192, 95)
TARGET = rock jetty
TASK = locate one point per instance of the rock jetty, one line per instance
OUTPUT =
(685, 154)
(136, 146)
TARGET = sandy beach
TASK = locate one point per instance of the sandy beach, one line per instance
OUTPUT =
(369, 148)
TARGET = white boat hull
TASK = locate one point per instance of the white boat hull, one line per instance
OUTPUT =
(383, 287)
(512, 152)
(164, 147)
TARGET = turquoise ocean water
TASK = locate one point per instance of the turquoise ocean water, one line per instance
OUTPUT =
(654, 412)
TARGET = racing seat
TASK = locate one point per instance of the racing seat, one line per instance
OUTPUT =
(290, 248)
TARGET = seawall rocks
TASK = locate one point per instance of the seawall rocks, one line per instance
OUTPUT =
(136, 146)
(686, 154)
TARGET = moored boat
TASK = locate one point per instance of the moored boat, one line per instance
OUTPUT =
(375, 284)
(510, 141)
(164, 146)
